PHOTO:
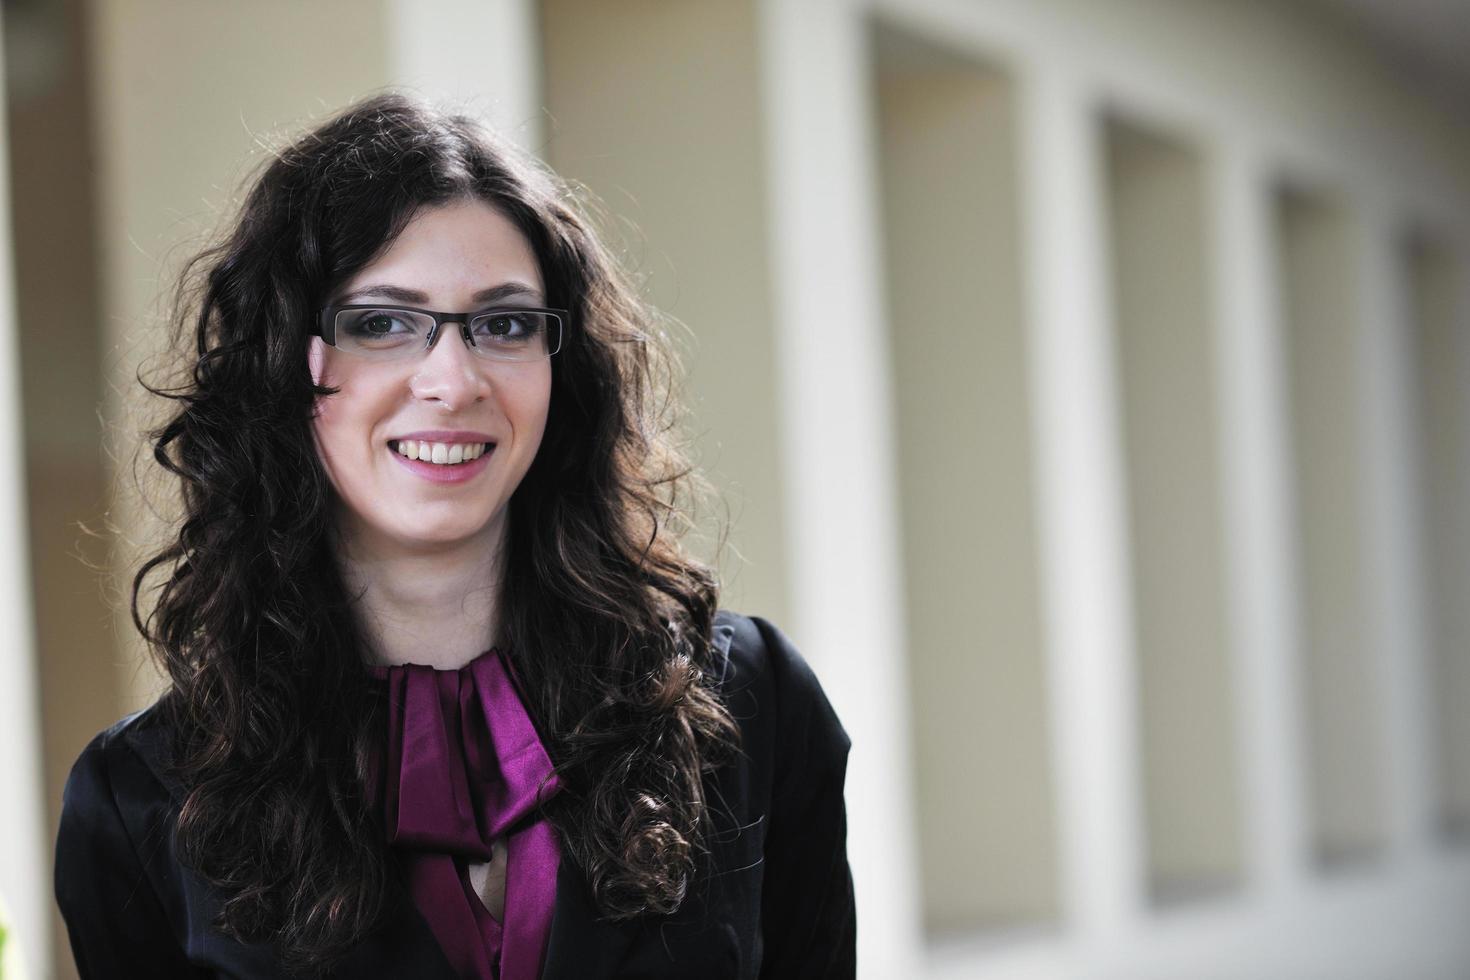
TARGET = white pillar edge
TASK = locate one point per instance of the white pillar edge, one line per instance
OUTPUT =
(25, 878)
(1261, 583)
(837, 442)
(472, 54)
(1086, 605)
(1390, 471)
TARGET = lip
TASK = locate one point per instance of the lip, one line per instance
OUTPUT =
(440, 473)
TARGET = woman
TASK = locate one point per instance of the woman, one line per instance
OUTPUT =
(446, 696)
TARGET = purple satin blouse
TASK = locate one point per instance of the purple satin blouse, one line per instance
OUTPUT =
(465, 767)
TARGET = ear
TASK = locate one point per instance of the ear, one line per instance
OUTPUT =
(316, 359)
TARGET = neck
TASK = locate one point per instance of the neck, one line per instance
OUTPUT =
(436, 607)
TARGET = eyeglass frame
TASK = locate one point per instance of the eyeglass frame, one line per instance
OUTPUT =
(326, 326)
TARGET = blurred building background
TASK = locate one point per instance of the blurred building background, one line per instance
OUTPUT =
(1089, 381)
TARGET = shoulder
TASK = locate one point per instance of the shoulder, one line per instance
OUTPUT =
(773, 691)
(112, 838)
(122, 770)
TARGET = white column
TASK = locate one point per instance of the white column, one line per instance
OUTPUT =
(1257, 472)
(836, 430)
(1396, 587)
(25, 878)
(1083, 539)
(481, 54)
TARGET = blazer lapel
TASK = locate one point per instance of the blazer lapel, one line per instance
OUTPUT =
(405, 947)
(580, 947)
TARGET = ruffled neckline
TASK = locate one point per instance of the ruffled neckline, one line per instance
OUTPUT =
(463, 766)
(464, 759)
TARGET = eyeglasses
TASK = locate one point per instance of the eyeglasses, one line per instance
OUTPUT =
(388, 333)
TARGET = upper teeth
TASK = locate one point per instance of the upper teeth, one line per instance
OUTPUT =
(440, 452)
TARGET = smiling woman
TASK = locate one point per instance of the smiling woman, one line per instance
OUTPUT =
(447, 695)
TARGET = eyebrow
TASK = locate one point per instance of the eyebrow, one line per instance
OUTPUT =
(493, 294)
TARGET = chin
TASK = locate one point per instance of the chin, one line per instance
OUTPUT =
(439, 536)
(431, 527)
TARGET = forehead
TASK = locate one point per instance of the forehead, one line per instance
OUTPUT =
(453, 251)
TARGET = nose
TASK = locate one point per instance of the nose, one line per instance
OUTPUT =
(449, 373)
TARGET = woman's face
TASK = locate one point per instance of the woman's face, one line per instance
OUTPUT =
(445, 256)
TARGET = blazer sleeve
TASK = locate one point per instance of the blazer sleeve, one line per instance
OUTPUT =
(115, 921)
(808, 911)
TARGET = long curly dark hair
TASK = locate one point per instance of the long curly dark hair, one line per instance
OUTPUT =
(606, 615)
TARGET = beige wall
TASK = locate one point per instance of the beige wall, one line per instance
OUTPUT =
(957, 325)
(1162, 289)
(652, 106)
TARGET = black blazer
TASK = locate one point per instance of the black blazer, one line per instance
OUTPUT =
(779, 902)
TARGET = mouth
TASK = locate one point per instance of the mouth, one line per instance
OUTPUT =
(445, 454)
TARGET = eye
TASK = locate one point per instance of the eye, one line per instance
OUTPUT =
(381, 330)
(373, 324)
(509, 327)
